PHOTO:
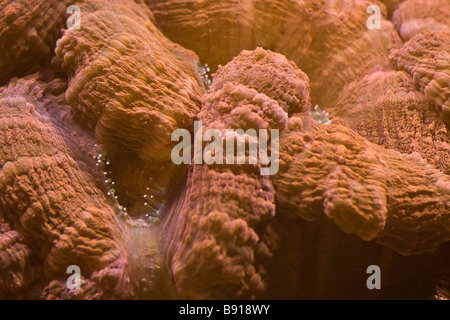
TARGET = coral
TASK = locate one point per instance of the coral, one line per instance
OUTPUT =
(28, 31)
(415, 16)
(385, 108)
(212, 248)
(213, 228)
(367, 190)
(278, 78)
(124, 71)
(17, 267)
(426, 58)
(357, 141)
(133, 88)
(61, 217)
(328, 40)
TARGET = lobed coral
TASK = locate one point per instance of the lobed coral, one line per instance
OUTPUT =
(162, 91)
(385, 108)
(213, 229)
(329, 40)
(49, 197)
(130, 74)
(87, 179)
(415, 16)
(28, 32)
(426, 58)
(367, 190)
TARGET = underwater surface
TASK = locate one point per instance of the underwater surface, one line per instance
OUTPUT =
(225, 149)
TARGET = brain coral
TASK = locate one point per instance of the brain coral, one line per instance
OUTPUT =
(415, 16)
(212, 233)
(427, 58)
(122, 69)
(326, 39)
(385, 108)
(28, 31)
(357, 125)
(50, 201)
(367, 190)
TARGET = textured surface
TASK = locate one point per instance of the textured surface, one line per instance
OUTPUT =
(124, 71)
(133, 88)
(212, 234)
(328, 40)
(415, 16)
(17, 267)
(48, 198)
(28, 31)
(86, 175)
(365, 189)
(385, 108)
(427, 58)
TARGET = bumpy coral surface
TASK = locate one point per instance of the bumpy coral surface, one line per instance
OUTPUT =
(385, 108)
(50, 201)
(222, 210)
(415, 16)
(352, 111)
(329, 40)
(162, 91)
(426, 57)
(367, 190)
(28, 31)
